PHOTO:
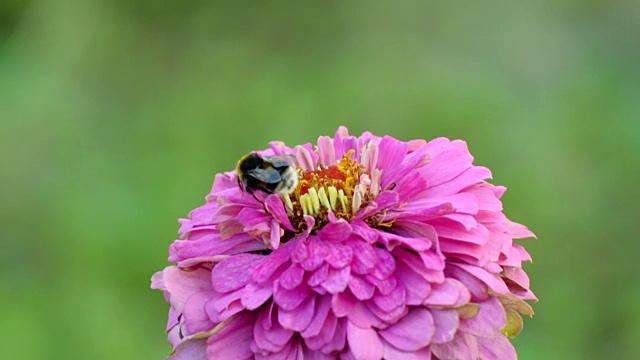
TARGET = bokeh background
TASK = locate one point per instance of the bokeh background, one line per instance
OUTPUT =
(115, 116)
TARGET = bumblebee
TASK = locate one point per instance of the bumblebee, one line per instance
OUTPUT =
(270, 174)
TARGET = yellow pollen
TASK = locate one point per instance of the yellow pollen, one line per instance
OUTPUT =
(331, 189)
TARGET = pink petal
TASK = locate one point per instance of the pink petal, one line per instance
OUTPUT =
(421, 213)
(342, 303)
(337, 280)
(446, 323)
(322, 307)
(369, 157)
(523, 253)
(317, 355)
(391, 352)
(518, 231)
(350, 143)
(447, 229)
(299, 318)
(469, 253)
(272, 262)
(410, 186)
(410, 162)
(447, 162)
(386, 286)
(462, 347)
(305, 158)
(490, 319)
(291, 351)
(416, 229)
(491, 280)
(364, 231)
(203, 215)
(392, 301)
(300, 251)
(197, 261)
(412, 332)
(413, 261)
(512, 259)
(195, 317)
(233, 272)
(326, 151)
(254, 295)
(268, 334)
(183, 284)
(470, 176)
(432, 260)
(212, 245)
(233, 340)
(416, 287)
(274, 236)
(361, 289)
(316, 253)
(338, 255)
(385, 266)
(450, 293)
(292, 277)
(190, 349)
(497, 348)
(220, 302)
(388, 316)
(157, 281)
(390, 241)
(319, 276)
(364, 344)
(415, 144)
(279, 148)
(392, 153)
(518, 276)
(254, 218)
(325, 335)
(289, 299)
(275, 206)
(341, 133)
(361, 316)
(364, 257)
(339, 339)
(487, 199)
(337, 230)
(383, 201)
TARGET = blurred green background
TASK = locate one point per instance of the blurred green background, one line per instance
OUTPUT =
(115, 116)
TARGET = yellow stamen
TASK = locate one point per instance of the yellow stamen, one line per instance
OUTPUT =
(287, 203)
(305, 203)
(343, 200)
(333, 196)
(315, 202)
(324, 200)
(342, 189)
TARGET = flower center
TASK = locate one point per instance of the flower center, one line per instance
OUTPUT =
(342, 189)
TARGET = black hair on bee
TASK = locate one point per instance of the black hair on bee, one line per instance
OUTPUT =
(270, 174)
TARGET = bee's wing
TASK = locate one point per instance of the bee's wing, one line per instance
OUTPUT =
(266, 176)
(281, 160)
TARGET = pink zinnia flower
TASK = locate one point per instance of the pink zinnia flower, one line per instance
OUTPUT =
(385, 250)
